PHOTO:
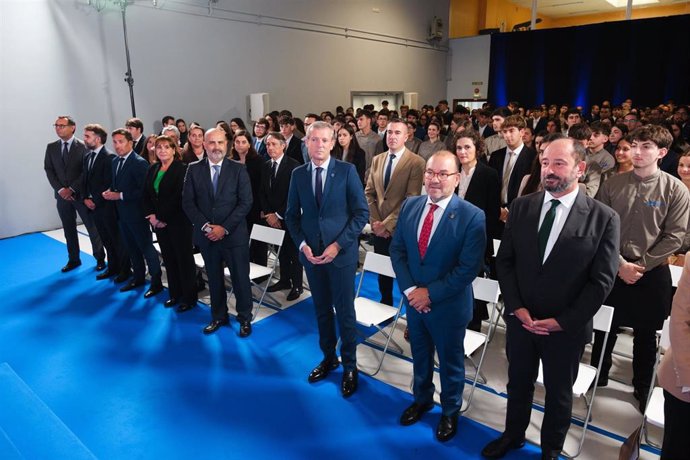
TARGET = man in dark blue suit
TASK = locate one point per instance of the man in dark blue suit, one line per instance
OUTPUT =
(126, 190)
(217, 197)
(437, 250)
(326, 212)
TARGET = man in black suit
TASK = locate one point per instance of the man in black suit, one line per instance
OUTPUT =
(217, 197)
(64, 163)
(512, 162)
(98, 178)
(126, 190)
(275, 183)
(557, 263)
(136, 128)
(294, 145)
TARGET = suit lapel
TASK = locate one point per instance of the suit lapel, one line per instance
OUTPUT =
(330, 178)
(576, 216)
(448, 216)
(399, 169)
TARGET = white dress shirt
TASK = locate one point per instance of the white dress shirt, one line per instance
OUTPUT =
(562, 212)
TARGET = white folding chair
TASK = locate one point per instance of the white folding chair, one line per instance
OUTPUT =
(676, 271)
(374, 314)
(274, 238)
(654, 412)
(587, 374)
(487, 290)
(498, 305)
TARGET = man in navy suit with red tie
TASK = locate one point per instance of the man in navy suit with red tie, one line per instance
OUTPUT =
(326, 212)
(437, 250)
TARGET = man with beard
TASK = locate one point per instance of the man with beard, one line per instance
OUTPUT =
(217, 197)
(553, 282)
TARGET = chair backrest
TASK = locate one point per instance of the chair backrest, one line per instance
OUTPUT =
(665, 340)
(268, 235)
(486, 289)
(379, 264)
(603, 318)
(676, 271)
(497, 244)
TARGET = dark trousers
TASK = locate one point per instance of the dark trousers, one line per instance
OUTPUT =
(105, 220)
(67, 210)
(175, 241)
(139, 243)
(291, 270)
(676, 445)
(331, 287)
(442, 330)
(560, 356)
(236, 258)
(382, 246)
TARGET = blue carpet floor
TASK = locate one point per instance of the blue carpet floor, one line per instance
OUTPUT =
(122, 377)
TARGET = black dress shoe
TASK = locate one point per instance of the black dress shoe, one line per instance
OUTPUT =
(153, 290)
(324, 368)
(184, 307)
(122, 277)
(215, 324)
(551, 455)
(447, 427)
(245, 328)
(131, 285)
(413, 413)
(279, 286)
(170, 303)
(71, 265)
(349, 385)
(499, 447)
(100, 265)
(105, 275)
(294, 294)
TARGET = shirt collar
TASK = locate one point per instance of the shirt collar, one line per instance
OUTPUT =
(126, 156)
(397, 154)
(443, 204)
(566, 200)
(279, 159)
(324, 165)
(517, 150)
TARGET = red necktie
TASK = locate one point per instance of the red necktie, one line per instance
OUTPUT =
(425, 234)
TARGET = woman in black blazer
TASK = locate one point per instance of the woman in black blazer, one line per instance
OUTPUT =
(479, 185)
(163, 208)
(347, 149)
(244, 152)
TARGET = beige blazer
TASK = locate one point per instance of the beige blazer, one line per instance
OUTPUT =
(406, 180)
(674, 370)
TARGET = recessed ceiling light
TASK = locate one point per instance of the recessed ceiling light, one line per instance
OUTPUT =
(624, 3)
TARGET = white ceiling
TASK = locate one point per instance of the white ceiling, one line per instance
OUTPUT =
(565, 8)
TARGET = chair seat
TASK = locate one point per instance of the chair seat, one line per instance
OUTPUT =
(199, 260)
(157, 247)
(371, 313)
(473, 340)
(255, 271)
(585, 377)
(655, 408)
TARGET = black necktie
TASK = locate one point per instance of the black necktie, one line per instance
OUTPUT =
(65, 151)
(318, 187)
(92, 155)
(389, 169)
(545, 229)
(120, 163)
(274, 169)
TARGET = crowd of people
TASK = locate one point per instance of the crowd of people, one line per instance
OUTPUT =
(590, 210)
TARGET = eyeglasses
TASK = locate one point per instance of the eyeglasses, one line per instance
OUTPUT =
(60, 126)
(442, 176)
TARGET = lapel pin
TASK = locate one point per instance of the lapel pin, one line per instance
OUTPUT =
(452, 215)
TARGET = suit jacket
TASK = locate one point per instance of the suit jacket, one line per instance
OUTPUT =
(139, 146)
(674, 370)
(68, 173)
(341, 217)
(522, 167)
(228, 208)
(188, 156)
(262, 151)
(273, 196)
(454, 255)
(294, 149)
(579, 272)
(484, 192)
(130, 181)
(167, 203)
(100, 178)
(406, 180)
(488, 131)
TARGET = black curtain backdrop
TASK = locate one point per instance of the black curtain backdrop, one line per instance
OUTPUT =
(647, 60)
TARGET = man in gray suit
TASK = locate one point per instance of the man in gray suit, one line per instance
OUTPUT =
(64, 163)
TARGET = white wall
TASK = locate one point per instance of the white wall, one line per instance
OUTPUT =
(64, 57)
(469, 63)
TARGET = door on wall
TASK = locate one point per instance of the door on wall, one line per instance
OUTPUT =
(361, 98)
(471, 104)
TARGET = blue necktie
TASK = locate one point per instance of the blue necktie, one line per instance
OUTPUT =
(389, 170)
(214, 179)
(318, 187)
